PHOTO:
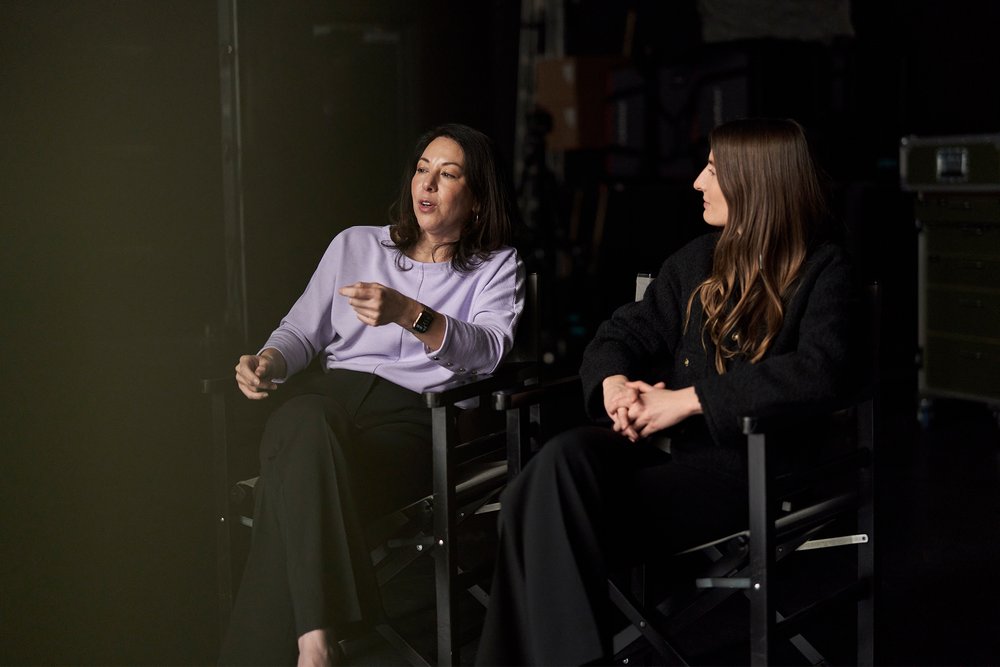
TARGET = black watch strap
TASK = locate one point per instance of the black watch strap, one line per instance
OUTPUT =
(423, 321)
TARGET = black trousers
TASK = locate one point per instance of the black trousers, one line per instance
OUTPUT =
(590, 502)
(345, 448)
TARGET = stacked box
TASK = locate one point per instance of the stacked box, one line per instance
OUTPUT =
(957, 209)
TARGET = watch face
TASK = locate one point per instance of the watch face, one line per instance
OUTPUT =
(423, 322)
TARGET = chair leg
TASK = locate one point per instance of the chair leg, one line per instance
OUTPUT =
(518, 420)
(866, 552)
(395, 640)
(762, 618)
(445, 562)
(648, 630)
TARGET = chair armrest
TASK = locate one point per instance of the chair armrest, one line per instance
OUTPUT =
(546, 390)
(791, 417)
(466, 387)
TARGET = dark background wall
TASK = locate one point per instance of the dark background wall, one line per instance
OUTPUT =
(109, 199)
(112, 263)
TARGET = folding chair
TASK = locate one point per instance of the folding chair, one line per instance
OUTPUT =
(469, 471)
(790, 514)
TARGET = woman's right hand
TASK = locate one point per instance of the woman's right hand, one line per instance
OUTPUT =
(255, 372)
(618, 397)
(621, 395)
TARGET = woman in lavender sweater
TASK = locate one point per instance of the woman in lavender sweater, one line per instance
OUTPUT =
(389, 311)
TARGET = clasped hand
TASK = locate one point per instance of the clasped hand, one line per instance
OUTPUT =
(376, 304)
(639, 409)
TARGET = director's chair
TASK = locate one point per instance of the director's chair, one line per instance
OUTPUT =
(792, 515)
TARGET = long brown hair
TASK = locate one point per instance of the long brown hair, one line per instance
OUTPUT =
(490, 228)
(776, 204)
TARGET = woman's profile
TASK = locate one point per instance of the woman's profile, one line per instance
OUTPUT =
(749, 318)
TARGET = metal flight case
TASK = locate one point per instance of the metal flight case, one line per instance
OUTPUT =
(956, 186)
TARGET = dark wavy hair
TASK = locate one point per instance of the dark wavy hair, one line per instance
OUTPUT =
(777, 207)
(489, 229)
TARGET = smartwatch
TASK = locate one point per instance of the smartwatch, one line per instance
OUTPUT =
(423, 321)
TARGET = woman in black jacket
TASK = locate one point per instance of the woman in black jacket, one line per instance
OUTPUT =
(748, 319)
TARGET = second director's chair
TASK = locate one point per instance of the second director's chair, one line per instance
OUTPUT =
(826, 506)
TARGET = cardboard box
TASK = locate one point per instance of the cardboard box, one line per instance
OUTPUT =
(574, 90)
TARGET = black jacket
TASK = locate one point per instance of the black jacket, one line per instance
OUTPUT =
(807, 363)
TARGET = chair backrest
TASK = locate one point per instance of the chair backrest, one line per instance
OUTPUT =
(527, 340)
(642, 281)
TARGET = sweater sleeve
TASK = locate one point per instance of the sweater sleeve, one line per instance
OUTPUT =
(479, 344)
(811, 363)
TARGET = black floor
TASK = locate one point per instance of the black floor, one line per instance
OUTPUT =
(938, 528)
(939, 532)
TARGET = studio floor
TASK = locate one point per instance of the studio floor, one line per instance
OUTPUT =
(939, 532)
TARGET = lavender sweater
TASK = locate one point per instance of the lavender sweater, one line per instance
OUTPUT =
(481, 309)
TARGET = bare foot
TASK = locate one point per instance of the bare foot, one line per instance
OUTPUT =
(318, 649)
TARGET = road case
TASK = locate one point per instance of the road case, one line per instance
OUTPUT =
(956, 181)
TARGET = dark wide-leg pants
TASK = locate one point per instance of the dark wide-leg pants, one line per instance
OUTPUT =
(347, 447)
(588, 503)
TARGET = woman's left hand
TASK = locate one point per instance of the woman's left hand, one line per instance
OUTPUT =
(659, 408)
(376, 304)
